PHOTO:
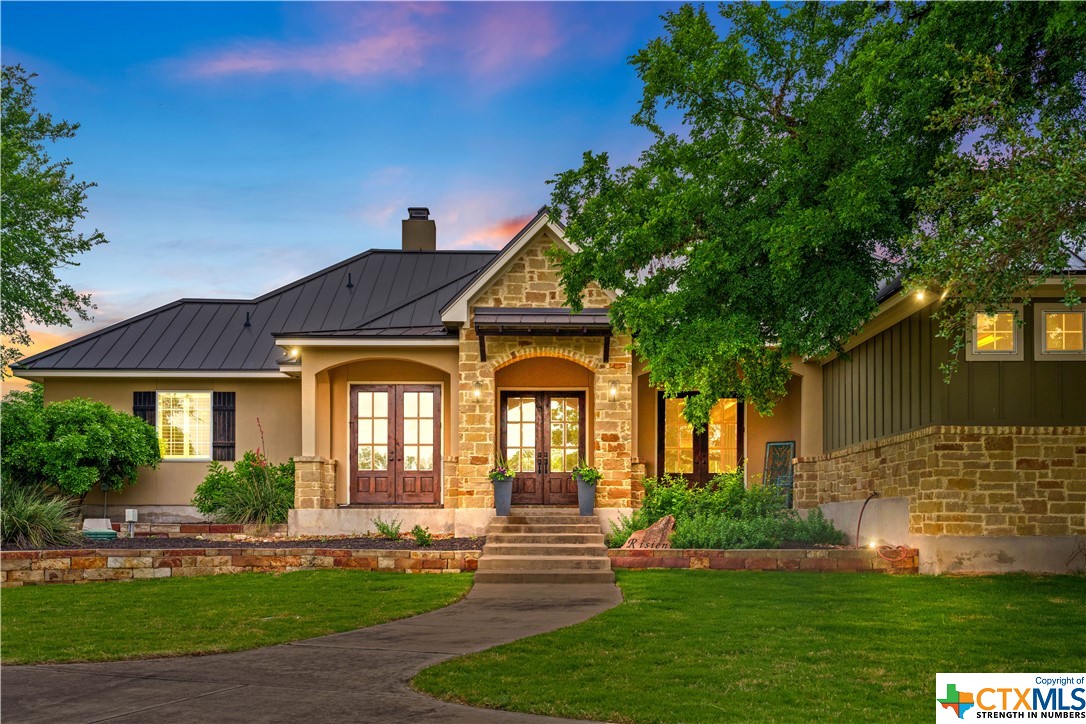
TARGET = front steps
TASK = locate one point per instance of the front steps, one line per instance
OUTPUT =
(544, 545)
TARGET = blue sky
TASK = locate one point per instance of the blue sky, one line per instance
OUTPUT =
(238, 146)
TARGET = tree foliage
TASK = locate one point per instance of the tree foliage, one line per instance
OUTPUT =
(1002, 213)
(72, 445)
(40, 204)
(789, 145)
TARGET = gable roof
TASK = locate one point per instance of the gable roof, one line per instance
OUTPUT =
(394, 294)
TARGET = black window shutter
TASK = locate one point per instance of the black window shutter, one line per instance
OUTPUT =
(143, 406)
(223, 423)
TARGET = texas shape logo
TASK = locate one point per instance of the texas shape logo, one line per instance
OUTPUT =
(958, 701)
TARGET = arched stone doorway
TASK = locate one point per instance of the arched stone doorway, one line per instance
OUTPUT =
(543, 418)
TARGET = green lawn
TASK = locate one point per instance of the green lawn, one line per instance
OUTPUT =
(175, 616)
(734, 646)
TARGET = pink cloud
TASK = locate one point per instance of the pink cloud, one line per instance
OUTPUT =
(381, 40)
(491, 236)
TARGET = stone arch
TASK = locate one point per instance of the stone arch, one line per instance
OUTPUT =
(507, 358)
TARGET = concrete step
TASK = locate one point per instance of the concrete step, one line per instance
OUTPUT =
(554, 549)
(543, 510)
(545, 520)
(544, 563)
(545, 538)
(544, 576)
(544, 528)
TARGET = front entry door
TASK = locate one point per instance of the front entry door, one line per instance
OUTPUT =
(395, 444)
(542, 436)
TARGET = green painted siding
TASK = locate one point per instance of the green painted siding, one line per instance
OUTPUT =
(892, 383)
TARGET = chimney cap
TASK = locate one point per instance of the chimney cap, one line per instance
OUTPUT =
(418, 212)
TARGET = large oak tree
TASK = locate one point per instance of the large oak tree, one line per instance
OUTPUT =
(796, 164)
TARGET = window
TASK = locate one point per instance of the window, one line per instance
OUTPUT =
(184, 425)
(994, 332)
(1060, 332)
(996, 336)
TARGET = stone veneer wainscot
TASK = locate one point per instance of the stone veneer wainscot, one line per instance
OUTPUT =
(962, 480)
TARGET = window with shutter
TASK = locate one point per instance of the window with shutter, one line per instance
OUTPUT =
(143, 406)
(223, 424)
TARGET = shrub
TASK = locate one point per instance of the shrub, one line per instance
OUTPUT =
(724, 514)
(387, 529)
(422, 536)
(31, 518)
(814, 529)
(255, 491)
(706, 531)
(72, 445)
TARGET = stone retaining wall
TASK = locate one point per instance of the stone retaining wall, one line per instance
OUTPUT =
(19, 568)
(188, 530)
(962, 480)
(833, 560)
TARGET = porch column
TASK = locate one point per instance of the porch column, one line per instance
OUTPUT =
(309, 410)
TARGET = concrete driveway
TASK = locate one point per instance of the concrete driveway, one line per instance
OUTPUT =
(356, 676)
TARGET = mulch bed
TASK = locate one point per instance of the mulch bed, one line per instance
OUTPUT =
(363, 543)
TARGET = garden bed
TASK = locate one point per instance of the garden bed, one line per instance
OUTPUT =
(356, 543)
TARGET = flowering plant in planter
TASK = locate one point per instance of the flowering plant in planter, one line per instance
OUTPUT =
(586, 473)
(502, 478)
(500, 471)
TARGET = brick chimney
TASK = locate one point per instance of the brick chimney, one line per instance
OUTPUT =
(419, 231)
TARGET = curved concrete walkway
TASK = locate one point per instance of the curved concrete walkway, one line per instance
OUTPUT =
(355, 676)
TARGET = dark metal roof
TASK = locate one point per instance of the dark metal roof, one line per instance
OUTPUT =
(393, 294)
(489, 319)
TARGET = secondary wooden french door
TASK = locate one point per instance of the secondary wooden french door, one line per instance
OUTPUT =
(395, 444)
(542, 438)
(698, 456)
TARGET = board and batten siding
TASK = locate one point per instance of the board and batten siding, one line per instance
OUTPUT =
(892, 383)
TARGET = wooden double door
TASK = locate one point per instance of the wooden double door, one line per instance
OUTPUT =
(542, 439)
(395, 444)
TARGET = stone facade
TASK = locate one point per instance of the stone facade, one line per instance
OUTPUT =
(833, 560)
(532, 281)
(19, 568)
(965, 481)
(314, 482)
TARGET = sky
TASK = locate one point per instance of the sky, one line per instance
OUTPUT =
(240, 146)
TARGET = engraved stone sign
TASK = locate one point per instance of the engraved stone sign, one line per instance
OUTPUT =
(656, 535)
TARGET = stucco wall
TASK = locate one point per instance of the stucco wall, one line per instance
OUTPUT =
(783, 425)
(276, 402)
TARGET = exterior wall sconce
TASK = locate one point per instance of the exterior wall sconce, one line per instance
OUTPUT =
(612, 391)
(294, 353)
(477, 391)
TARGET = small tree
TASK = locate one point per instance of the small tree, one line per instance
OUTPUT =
(41, 203)
(72, 445)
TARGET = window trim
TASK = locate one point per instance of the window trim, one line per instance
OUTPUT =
(1016, 355)
(1040, 354)
(210, 425)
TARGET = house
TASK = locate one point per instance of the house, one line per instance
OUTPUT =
(393, 378)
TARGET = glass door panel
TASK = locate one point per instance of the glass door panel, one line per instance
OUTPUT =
(723, 437)
(520, 447)
(565, 433)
